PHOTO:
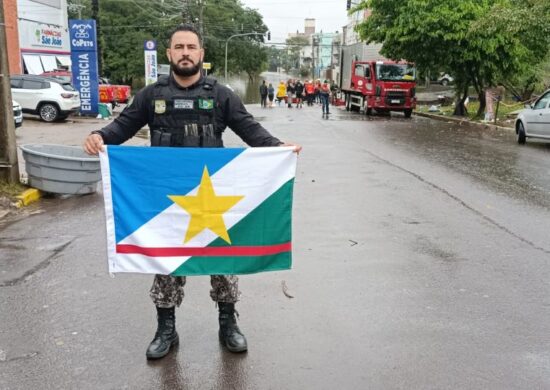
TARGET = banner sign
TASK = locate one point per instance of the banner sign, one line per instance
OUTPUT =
(84, 63)
(151, 74)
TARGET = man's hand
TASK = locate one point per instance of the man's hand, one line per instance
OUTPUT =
(93, 144)
(297, 148)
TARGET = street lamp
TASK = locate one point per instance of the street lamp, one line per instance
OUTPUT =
(226, 42)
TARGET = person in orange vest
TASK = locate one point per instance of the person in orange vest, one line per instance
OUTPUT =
(310, 92)
(324, 94)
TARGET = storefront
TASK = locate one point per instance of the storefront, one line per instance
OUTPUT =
(43, 35)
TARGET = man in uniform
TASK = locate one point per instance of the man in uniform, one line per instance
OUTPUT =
(187, 109)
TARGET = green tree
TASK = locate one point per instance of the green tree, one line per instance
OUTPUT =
(458, 36)
(525, 24)
(122, 33)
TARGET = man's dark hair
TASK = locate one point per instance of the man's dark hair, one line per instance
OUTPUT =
(185, 27)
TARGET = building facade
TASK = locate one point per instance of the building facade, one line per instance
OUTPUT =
(42, 36)
(12, 36)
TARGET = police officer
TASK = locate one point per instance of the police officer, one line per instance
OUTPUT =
(187, 109)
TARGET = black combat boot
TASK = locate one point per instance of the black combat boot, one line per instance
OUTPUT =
(166, 335)
(230, 334)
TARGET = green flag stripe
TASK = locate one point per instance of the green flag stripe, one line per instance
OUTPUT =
(267, 224)
(234, 265)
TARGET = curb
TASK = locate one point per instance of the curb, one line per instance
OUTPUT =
(27, 197)
(462, 121)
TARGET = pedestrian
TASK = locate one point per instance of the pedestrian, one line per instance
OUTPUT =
(333, 92)
(324, 94)
(299, 88)
(281, 92)
(317, 90)
(310, 92)
(270, 94)
(263, 94)
(186, 99)
(290, 91)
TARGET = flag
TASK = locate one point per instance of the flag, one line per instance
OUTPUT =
(198, 211)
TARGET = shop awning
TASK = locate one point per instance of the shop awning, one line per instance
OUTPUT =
(49, 63)
(33, 64)
(65, 61)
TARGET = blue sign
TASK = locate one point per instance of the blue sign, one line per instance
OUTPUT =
(150, 45)
(84, 63)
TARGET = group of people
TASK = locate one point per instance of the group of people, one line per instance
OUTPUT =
(295, 92)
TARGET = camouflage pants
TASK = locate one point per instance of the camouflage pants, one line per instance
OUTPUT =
(167, 290)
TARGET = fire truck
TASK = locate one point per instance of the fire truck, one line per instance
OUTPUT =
(382, 86)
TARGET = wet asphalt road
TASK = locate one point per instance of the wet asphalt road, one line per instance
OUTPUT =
(421, 261)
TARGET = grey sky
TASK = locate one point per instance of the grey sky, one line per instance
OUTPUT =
(287, 16)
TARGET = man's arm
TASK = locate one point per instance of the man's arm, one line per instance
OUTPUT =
(131, 119)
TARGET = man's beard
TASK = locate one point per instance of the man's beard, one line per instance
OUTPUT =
(187, 71)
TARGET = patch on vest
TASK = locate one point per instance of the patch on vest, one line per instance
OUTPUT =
(160, 106)
(183, 104)
(206, 104)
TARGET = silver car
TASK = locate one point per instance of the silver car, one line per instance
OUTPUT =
(534, 120)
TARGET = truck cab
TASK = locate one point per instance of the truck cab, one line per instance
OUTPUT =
(383, 86)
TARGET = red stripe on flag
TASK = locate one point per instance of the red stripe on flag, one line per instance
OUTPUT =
(206, 251)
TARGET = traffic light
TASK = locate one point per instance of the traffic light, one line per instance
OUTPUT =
(269, 35)
(348, 4)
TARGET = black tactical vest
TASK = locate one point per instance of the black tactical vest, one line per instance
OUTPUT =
(185, 118)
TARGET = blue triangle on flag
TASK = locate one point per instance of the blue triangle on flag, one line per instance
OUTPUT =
(143, 177)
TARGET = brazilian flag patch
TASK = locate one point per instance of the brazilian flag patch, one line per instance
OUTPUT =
(206, 104)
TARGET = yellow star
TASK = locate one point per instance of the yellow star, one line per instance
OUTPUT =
(206, 209)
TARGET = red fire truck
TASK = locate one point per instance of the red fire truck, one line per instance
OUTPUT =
(382, 86)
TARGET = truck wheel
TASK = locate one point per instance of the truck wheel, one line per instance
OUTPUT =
(48, 112)
(408, 113)
(367, 109)
(348, 102)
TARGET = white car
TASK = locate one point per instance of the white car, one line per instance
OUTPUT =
(17, 113)
(445, 79)
(50, 98)
(534, 120)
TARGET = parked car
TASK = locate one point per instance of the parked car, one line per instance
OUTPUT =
(17, 114)
(108, 93)
(60, 74)
(50, 98)
(445, 79)
(534, 120)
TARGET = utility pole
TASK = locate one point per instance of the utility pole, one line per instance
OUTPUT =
(95, 16)
(9, 169)
(313, 56)
(202, 3)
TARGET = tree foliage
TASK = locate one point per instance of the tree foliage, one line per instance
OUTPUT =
(125, 25)
(480, 42)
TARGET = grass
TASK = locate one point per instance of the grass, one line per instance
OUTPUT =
(11, 190)
(505, 111)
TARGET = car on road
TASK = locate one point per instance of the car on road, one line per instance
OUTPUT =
(17, 114)
(50, 98)
(534, 120)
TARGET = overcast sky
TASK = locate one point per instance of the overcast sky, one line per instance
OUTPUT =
(287, 16)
